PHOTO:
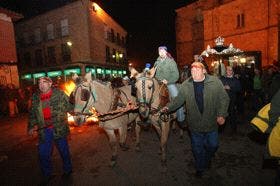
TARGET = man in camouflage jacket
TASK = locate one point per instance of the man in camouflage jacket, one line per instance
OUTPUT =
(48, 115)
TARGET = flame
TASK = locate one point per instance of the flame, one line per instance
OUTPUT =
(68, 87)
(94, 116)
(70, 119)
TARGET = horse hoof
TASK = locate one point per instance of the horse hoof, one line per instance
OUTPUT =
(163, 167)
(124, 147)
(113, 161)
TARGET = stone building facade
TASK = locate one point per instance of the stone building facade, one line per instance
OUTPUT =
(8, 54)
(77, 37)
(253, 27)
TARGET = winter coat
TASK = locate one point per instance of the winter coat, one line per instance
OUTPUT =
(59, 105)
(234, 85)
(166, 69)
(215, 101)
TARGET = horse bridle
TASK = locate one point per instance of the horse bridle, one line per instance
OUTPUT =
(87, 101)
(144, 100)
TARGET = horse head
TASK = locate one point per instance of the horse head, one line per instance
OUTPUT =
(83, 96)
(145, 85)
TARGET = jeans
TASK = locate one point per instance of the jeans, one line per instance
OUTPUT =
(204, 146)
(45, 151)
(173, 92)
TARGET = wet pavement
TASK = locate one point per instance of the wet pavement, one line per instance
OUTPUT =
(238, 160)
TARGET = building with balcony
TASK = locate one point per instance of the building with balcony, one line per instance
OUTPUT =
(253, 27)
(77, 37)
(8, 55)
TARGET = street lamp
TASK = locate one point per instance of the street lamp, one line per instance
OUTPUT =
(69, 43)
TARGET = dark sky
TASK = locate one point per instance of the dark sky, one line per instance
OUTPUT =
(150, 23)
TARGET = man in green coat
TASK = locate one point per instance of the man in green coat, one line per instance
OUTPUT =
(206, 105)
(167, 72)
(48, 116)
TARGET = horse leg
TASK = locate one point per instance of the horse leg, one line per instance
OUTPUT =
(113, 145)
(123, 134)
(181, 139)
(137, 133)
(165, 127)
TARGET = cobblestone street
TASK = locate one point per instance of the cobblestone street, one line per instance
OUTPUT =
(237, 162)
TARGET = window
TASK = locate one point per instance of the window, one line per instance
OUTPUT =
(37, 34)
(38, 58)
(118, 39)
(65, 52)
(240, 20)
(50, 31)
(26, 38)
(51, 55)
(123, 41)
(107, 54)
(106, 31)
(112, 35)
(64, 27)
(26, 60)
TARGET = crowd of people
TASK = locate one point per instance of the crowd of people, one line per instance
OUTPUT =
(211, 102)
(14, 101)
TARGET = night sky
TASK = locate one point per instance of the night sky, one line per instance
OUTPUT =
(150, 23)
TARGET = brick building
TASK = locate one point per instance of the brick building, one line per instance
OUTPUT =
(77, 37)
(8, 55)
(253, 27)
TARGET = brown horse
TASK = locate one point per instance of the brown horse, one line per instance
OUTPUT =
(104, 99)
(151, 97)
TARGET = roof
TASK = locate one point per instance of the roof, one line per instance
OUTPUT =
(15, 16)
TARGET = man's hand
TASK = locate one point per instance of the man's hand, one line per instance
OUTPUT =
(164, 110)
(164, 81)
(227, 87)
(220, 120)
(31, 132)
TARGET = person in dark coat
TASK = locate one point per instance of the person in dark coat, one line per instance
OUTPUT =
(206, 105)
(232, 87)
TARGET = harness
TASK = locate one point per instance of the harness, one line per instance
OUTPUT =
(147, 103)
(85, 95)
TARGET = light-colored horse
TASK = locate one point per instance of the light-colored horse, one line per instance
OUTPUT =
(150, 100)
(104, 98)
